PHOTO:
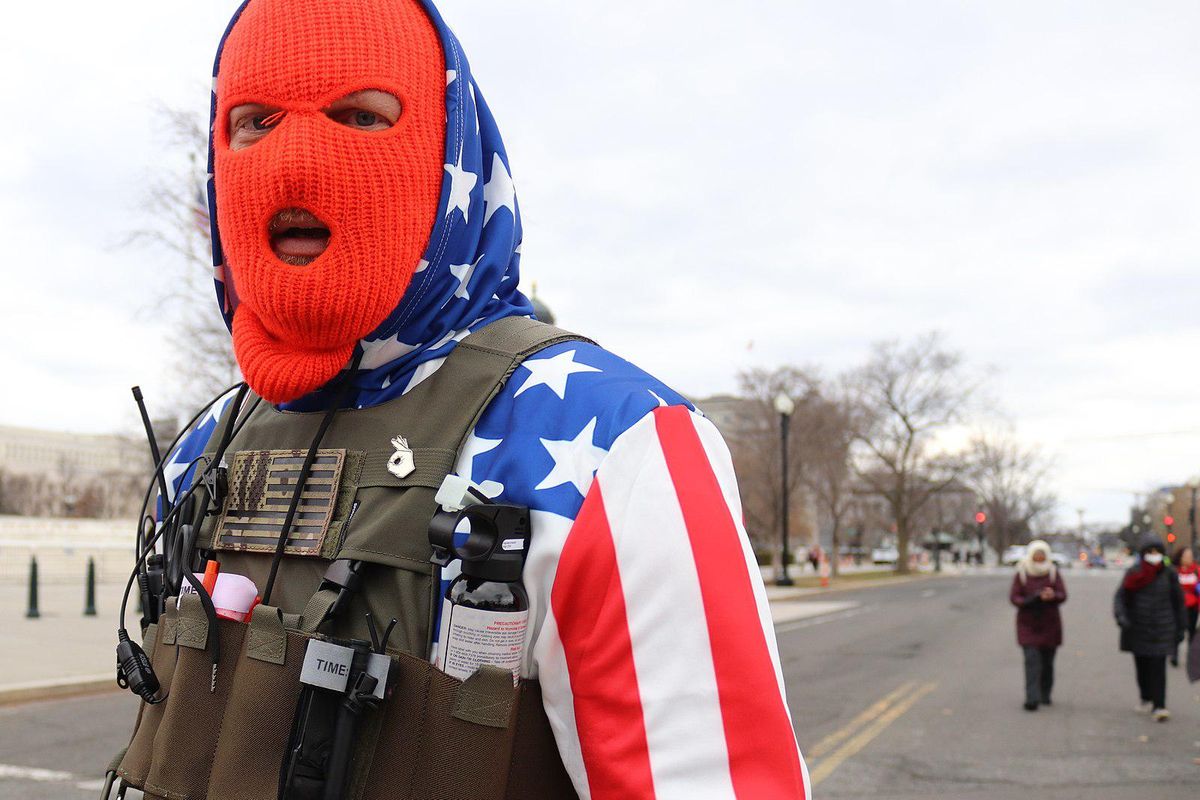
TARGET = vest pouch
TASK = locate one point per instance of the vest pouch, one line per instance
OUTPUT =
(442, 738)
(135, 765)
(262, 703)
(186, 740)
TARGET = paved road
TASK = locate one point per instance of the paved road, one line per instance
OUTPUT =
(919, 693)
(899, 692)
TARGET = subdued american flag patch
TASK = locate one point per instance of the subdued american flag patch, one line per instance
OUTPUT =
(261, 485)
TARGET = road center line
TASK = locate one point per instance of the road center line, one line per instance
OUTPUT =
(864, 737)
(845, 732)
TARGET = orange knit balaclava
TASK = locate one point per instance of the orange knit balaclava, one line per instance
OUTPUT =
(376, 192)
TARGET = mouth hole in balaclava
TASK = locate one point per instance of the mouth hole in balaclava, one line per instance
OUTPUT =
(298, 237)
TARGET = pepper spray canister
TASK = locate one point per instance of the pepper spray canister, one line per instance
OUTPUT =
(485, 610)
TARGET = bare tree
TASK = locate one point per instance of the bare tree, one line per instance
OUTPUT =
(908, 395)
(1011, 481)
(177, 225)
(754, 442)
(827, 426)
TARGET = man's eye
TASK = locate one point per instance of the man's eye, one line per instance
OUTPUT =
(260, 123)
(365, 119)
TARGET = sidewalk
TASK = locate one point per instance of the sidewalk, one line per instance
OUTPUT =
(64, 651)
(865, 577)
(62, 646)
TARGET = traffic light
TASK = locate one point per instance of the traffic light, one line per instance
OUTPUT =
(1168, 520)
(980, 517)
(1170, 538)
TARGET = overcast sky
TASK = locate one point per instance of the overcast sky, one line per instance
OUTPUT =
(710, 186)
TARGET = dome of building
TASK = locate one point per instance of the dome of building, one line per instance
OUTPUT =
(540, 309)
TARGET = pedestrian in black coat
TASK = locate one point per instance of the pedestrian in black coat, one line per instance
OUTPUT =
(1150, 611)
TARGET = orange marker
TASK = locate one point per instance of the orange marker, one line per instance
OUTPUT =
(211, 570)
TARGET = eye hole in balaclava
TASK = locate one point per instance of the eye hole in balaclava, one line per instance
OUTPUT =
(368, 110)
(328, 157)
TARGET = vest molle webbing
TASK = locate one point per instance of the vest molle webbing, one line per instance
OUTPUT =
(222, 735)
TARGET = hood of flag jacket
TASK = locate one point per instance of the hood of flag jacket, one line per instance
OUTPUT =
(342, 235)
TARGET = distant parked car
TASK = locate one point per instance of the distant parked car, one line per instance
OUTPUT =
(1097, 561)
(1061, 560)
(1012, 555)
(885, 555)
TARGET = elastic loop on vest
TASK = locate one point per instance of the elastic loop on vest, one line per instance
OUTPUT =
(150, 638)
(267, 639)
(191, 628)
(166, 623)
(486, 698)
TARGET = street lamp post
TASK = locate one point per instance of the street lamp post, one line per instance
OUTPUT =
(786, 407)
(980, 521)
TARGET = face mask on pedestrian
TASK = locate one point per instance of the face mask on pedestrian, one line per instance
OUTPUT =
(328, 154)
(1153, 559)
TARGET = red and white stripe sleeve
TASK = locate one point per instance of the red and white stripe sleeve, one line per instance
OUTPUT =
(657, 654)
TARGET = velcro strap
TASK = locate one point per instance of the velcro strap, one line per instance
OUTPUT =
(487, 697)
(191, 627)
(432, 464)
(267, 639)
(318, 606)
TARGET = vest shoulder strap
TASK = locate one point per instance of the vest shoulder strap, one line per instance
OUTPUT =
(485, 360)
(518, 337)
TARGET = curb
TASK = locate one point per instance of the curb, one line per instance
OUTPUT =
(58, 688)
(808, 593)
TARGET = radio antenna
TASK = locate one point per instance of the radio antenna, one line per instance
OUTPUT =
(155, 455)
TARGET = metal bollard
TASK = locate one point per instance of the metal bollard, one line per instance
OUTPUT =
(89, 602)
(32, 612)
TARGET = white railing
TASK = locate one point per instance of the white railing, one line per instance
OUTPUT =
(62, 548)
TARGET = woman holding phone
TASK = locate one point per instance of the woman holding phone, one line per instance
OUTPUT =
(1037, 592)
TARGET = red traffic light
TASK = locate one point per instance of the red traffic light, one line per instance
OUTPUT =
(1168, 520)
(980, 517)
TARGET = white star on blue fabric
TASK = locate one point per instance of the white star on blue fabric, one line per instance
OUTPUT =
(377, 352)
(575, 460)
(216, 410)
(476, 446)
(498, 192)
(172, 472)
(552, 372)
(461, 184)
(464, 272)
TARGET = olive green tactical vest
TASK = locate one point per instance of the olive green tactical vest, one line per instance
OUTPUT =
(433, 737)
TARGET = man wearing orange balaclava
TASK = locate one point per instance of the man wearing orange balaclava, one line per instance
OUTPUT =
(324, 220)
(367, 238)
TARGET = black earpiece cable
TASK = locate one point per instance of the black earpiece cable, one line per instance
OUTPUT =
(309, 460)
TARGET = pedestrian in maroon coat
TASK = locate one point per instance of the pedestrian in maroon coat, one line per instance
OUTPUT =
(1037, 592)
